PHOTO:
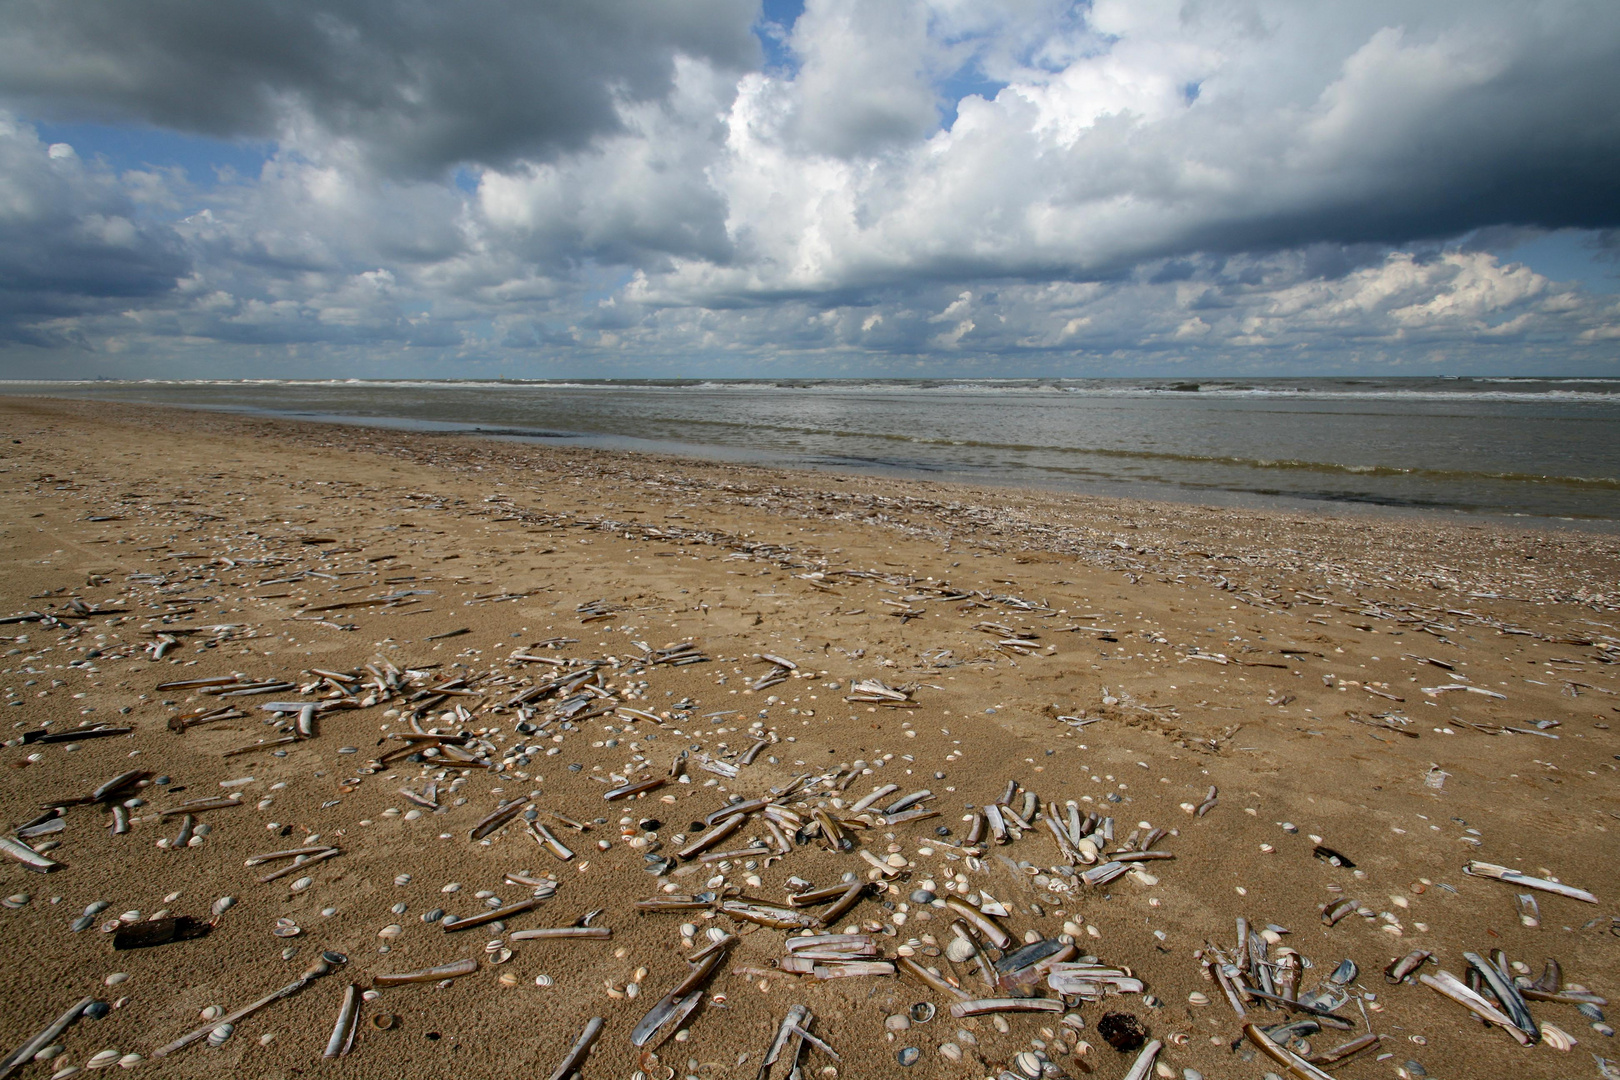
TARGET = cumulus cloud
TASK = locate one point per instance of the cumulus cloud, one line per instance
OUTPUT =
(72, 240)
(953, 181)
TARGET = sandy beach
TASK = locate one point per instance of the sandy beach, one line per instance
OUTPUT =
(1312, 708)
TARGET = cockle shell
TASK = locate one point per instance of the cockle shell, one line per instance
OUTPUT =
(217, 1037)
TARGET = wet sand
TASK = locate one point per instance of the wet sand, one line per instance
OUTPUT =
(1124, 656)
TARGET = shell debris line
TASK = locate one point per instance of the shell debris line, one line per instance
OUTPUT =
(445, 755)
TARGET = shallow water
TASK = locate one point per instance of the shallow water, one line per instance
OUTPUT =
(1541, 448)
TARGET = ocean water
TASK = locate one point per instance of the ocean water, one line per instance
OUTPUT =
(1537, 448)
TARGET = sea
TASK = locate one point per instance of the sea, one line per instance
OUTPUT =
(1537, 448)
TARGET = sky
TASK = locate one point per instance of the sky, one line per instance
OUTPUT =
(826, 188)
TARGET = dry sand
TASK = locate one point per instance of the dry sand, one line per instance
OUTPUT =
(1269, 655)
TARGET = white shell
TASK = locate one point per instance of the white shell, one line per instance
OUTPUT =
(103, 1059)
(1197, 998)
(950, 1051)
(402, 879)
(897, 1022)
(224, 904)
(115, 978)
(390, 932)
(217, 1037)
(213, 1012)
(1557, 1037)
(302, 883)
(129, 1061)
(1028, 1063)
(544, 980)
(959, 951)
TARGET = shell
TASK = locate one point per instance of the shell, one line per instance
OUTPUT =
(103, 1059)
(302, 883)
(267, 1038)
(213, 1012)
(897, 1022)
(908, 1056)
(224, 904)
(391, 931)
(115, 978)
(217, 1037)
(950, 1051)
(1199, 998)
(402, 879)
(129, 1061)
(286, 928)
(544, 980)
(1028, 1063)
(959, 951)
(1557, 1037)
(922, 1012)
(17, 900)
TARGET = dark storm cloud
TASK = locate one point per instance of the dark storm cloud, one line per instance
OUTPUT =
(418, 85)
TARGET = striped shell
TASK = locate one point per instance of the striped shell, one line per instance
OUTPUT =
(102, 1060)
(217, 1037)
(1557, 1037)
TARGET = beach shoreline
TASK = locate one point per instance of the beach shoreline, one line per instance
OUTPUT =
(1370, 450)
(1320, 671)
